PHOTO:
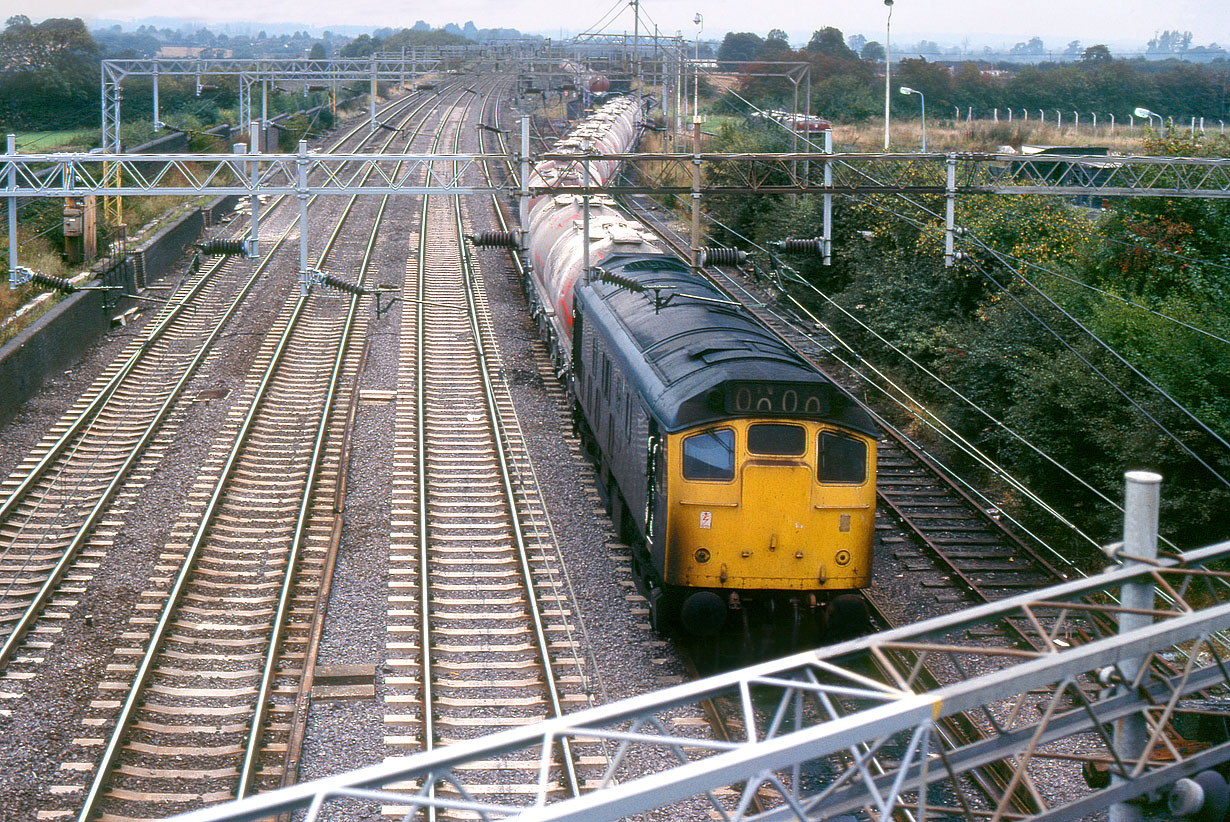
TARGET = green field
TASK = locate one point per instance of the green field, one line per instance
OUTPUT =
(38, 141)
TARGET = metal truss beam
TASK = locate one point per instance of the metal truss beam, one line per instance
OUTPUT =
(766, 173)
(75, 175)
(389, 66)
(804, 173)
(378, 67)
(1043, 709)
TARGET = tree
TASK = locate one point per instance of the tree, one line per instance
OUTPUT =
(1034, 48)
(1073, 49)
(739, 46)
(778, 34)
(361, 46)
(774, 49)
(856, 42)
(317, 52)
(45, 46)
(830, 41)
(873, 51)
(933, 79)
(1170, 42)
(1096, 55)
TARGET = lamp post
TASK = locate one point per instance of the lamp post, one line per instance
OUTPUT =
(906, 90)
(700, 26)
(888, 63)
(1161, 124)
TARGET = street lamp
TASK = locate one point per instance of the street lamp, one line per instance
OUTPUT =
(1161, 124)
(888, 63)
(906, 90)
(700, 26)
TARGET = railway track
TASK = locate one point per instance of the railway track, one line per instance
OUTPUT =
(493, 624)
(245, 561)
(232, 640)
(60, 495)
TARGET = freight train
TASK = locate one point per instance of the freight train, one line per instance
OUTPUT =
(743, 478)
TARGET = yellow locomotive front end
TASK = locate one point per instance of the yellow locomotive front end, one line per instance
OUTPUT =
(770, 505)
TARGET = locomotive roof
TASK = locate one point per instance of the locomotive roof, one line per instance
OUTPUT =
(681, 343)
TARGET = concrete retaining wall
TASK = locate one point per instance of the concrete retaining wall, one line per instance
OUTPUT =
(52, 344)
(156, 255)
(58, 339)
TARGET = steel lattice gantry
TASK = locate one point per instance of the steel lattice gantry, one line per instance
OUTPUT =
(306, 173)
(379, 67)
(863, 726)
(76, 174)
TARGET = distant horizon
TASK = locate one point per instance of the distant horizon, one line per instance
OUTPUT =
(973, 41)
(1126, 24)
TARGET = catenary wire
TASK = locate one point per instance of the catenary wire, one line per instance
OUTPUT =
(913, 408)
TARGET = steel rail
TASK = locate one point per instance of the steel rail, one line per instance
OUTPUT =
(958, 729)
(264, 690)
(421, 458)
(34, 609)
(145, 669)
(104, 394)
(22, 627)
(132, 702)
(467, 267)
(163, 324)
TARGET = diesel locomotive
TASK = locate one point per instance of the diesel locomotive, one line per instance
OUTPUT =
(743, 478)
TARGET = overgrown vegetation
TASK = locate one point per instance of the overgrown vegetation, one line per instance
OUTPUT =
(1035, 359)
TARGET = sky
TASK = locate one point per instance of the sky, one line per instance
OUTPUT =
(1126, 22)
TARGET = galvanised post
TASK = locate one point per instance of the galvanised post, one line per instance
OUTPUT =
(245, 99)
(11, 149)
(695, 193)
(585, 148)
(950, 208)
(828, 201)
(301, 167)
(1142, 493)
(371, 102)
(523, 200)
(254, 231)
(157, 119)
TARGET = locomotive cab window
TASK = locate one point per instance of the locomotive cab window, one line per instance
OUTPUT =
(709, 455)
(777, 440)
(841, 459)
